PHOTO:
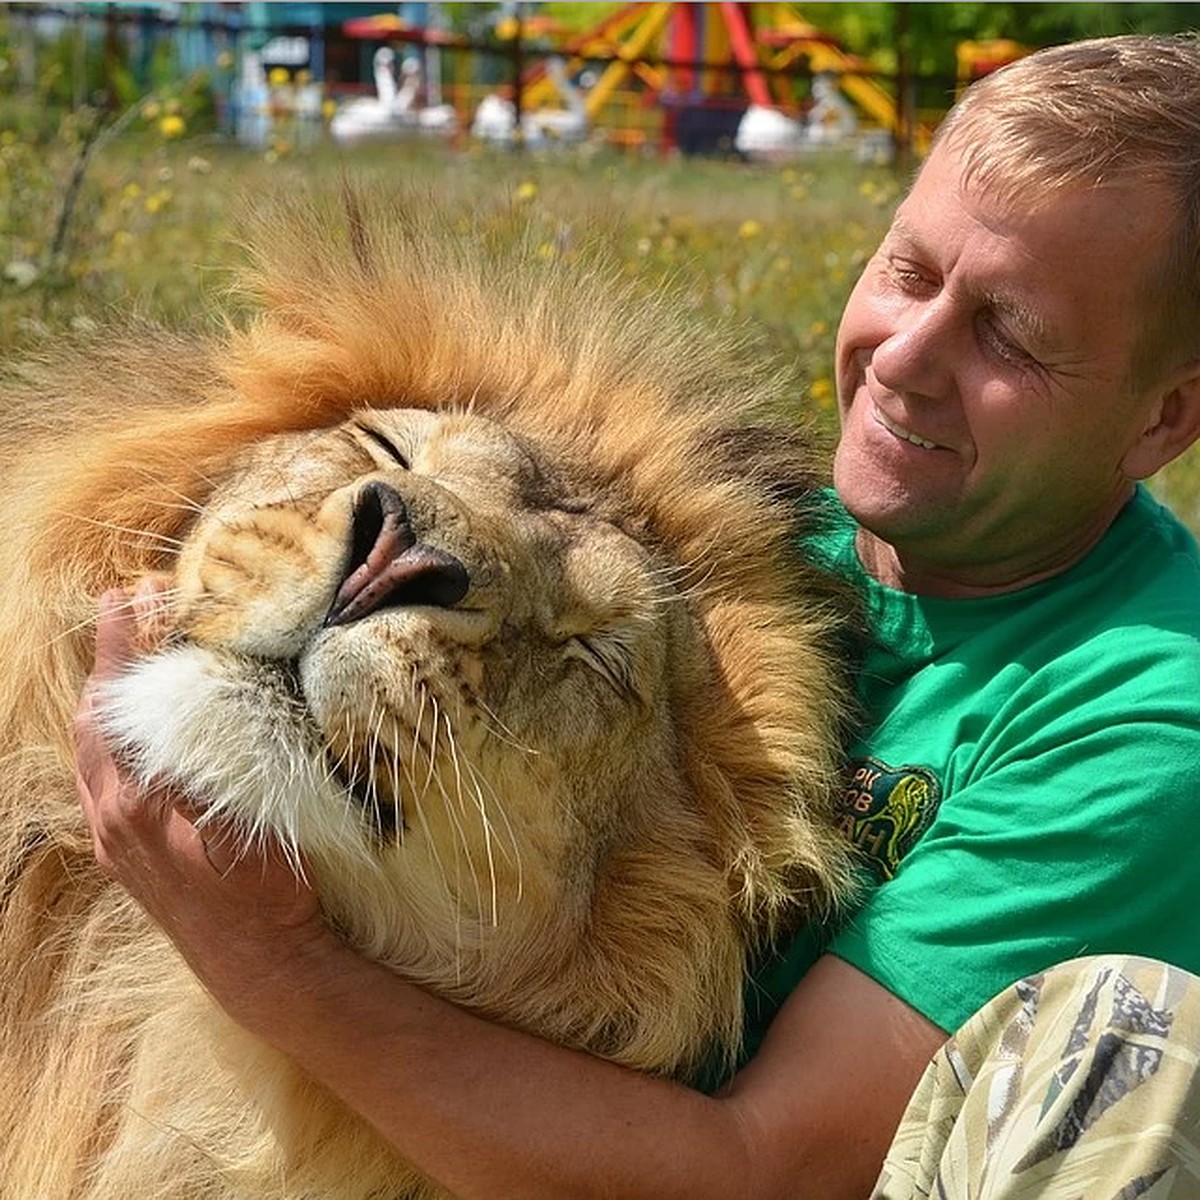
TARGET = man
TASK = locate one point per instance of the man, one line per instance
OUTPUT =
(1024, 348)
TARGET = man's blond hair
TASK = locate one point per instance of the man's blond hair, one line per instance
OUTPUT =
(1090, 114)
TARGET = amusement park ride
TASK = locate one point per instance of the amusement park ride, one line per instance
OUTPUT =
(716, 76)
(720, 74)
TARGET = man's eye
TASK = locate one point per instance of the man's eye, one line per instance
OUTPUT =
(1000, 344)
(910, 278)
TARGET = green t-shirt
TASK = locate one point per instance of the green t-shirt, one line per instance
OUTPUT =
(1028, 790)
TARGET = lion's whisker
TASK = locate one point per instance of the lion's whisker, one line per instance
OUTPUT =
(342, 765)
(190, 503)
(167, 506)
(93, 619)
(683, 580)
(163, 552)
(433, 740)
(397, 795)
(483, 818)
(148, 535)
(422, 694)
(501, 732)
(365, 780)
(372, 759)
(478, 782)
(448, 805)
(430, 840)
(431, 751)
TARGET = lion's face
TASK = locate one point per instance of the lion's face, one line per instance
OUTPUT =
(406, 641)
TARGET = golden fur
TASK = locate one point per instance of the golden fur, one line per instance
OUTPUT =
(575, 801)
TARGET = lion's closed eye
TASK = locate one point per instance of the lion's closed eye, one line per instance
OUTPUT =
(610, 655)
(379, 441)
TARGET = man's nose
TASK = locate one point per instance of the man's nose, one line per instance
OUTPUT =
(919, 356)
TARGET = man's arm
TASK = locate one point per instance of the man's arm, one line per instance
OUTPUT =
(490, 1111)
(493, 1112)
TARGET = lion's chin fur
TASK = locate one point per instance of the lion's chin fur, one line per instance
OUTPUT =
(120, 1079)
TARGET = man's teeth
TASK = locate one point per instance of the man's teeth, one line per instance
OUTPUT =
(904, 433)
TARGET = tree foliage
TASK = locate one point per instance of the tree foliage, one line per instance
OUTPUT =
(934, 30)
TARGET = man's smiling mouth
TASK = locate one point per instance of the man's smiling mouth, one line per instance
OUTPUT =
(902, 433)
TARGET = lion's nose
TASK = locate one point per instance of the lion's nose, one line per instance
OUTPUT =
(388, 566)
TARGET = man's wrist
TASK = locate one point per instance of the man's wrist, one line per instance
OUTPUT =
(306, 968)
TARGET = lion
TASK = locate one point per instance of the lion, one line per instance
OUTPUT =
(487, 606)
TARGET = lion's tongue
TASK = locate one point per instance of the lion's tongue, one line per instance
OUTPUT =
(420, 575)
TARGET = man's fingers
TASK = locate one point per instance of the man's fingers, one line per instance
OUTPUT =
(151, 604)
(114, 634)
(131, 623)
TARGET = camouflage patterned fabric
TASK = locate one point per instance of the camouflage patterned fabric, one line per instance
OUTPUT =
(1077, 1084)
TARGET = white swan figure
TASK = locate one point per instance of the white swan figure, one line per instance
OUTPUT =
(495, 117)
(767, 135)
(393, 110)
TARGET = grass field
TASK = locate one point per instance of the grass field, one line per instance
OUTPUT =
(152, 226)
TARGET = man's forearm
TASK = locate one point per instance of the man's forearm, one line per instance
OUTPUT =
(490, 1111)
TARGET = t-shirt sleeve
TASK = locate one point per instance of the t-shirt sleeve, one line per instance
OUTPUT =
(1075, 831)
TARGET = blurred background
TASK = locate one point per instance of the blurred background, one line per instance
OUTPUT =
(746, 154)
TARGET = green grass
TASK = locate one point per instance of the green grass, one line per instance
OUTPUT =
(153, 229)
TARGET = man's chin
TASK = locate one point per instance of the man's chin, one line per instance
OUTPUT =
(887, 511)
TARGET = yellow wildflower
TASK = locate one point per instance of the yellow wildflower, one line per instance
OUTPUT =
(527, 190)
(172, 126)
(158, 200)
(749, 229)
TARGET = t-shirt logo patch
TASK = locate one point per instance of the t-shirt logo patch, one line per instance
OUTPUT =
(886, 809)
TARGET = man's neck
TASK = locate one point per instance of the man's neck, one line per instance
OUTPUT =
(926, 575)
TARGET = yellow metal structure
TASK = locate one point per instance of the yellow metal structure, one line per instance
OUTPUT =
(637, 31)
(629, 36)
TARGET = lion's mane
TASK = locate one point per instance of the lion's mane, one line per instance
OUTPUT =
(110, 443)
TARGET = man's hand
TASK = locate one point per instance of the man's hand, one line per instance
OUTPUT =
(230, 911)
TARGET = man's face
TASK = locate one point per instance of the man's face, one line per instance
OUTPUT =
(983, 368)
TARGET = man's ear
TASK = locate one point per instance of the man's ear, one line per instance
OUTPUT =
(1174, 424)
